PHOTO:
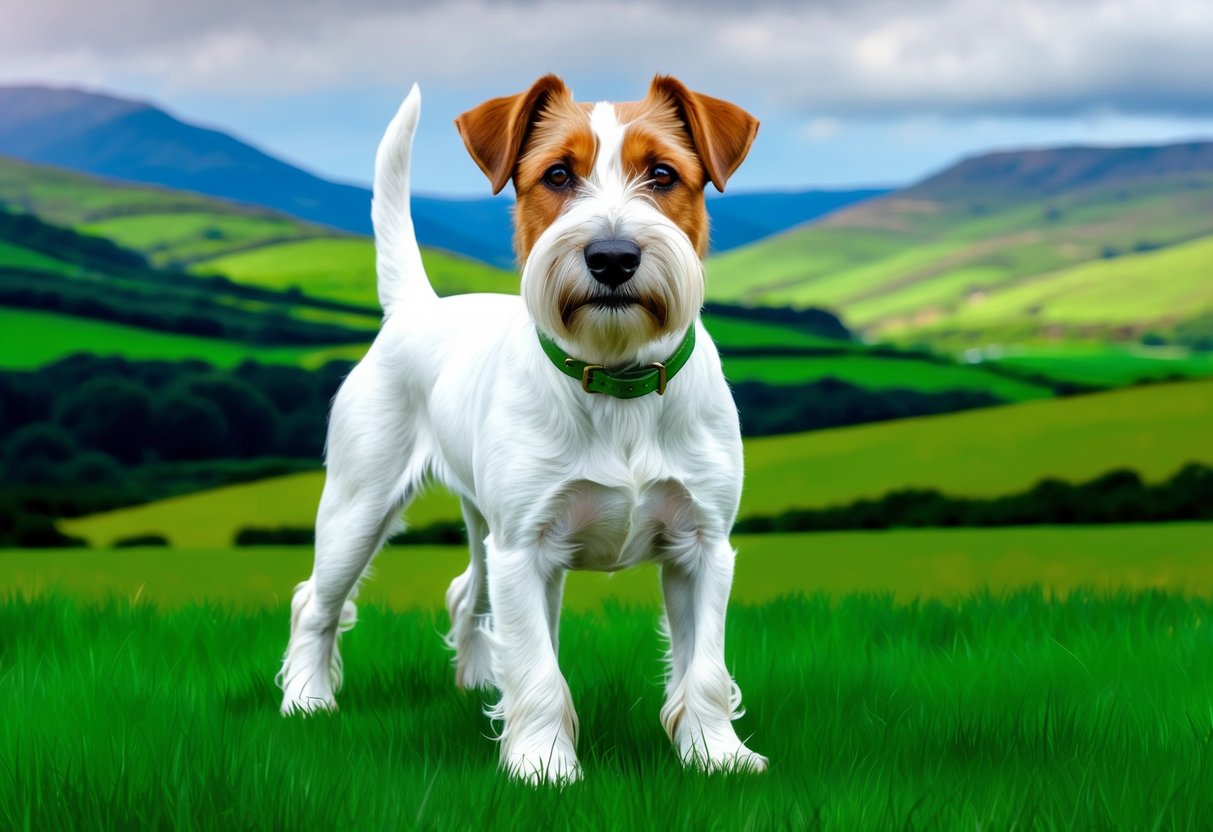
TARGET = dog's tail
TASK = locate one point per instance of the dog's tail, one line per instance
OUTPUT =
(402, 279)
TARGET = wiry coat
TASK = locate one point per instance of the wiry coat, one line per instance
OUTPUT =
(550, 477)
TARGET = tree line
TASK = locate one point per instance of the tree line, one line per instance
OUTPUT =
(1119, 496)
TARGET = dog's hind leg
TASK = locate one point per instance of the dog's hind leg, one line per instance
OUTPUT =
(373, 464)
(467, 602)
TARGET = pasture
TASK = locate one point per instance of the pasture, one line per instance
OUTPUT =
(343, 268)
(30, 339)
(979, 709)
(1153, 430)
(905, 565)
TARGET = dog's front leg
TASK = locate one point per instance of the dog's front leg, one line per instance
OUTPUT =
(539, 733)
(701, 697)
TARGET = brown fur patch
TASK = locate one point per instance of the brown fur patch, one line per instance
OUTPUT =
(656, 135)
(562, 135)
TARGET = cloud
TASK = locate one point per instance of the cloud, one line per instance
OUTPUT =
(828, 59)
(822, 127)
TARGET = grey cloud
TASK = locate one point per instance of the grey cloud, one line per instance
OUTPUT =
(867, 58)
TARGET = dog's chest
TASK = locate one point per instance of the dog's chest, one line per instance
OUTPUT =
(604, 528)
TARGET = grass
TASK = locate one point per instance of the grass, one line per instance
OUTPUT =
(18, 257)
(344, 269)
(1151, 286)
(906, 564)
(173, 238)
(211, 519)
(881, 372)
(31, 339)
(246, 243)
(1152, 430)
(1105, 364)
(991, 711)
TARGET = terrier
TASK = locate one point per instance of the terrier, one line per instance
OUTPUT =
(584, 425)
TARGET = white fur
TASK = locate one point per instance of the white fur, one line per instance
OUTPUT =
(551, 478)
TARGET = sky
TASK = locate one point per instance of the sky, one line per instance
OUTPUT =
(849, 92)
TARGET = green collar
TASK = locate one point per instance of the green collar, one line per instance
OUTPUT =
(625, 384)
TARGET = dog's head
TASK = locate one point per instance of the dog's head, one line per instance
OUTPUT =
(610, 225)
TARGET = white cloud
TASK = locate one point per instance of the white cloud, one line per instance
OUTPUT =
(822, 127)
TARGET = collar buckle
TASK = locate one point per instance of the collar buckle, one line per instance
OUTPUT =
(587, 371)
(661, 377)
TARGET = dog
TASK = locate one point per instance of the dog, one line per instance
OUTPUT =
(584, 425)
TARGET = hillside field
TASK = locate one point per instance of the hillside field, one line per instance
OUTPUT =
(1153, 430)
(930, 260)
(189, 231)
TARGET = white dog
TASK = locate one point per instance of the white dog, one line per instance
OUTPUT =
(585, 425)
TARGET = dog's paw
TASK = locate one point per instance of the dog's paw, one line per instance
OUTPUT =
(554, 769)
(743, 760)
(305, 705)
(720, 754)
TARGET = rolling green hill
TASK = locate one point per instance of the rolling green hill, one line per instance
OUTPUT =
(196, 233)
(1153, 430)
(1007, 244)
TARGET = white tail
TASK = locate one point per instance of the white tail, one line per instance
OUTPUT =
(402, 276)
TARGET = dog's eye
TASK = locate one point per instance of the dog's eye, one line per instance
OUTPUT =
(663, 177)
(557, 176)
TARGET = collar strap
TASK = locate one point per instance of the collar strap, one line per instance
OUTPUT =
(625, 384)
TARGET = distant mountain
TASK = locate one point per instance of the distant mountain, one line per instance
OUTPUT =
(1069, 242)
(1040, 173)
(124, 139)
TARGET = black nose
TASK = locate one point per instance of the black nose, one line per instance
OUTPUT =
(612, 261)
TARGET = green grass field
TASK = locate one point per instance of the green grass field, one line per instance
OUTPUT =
(1151, 286)
(906, 564)
(178, 238)
(18, 257)
(30, 339)
(1153, 430)
(990, 711)
(344, 269)
(211, 235)
(1106, 364)
(881, 372)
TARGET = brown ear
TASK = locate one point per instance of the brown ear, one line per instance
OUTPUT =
(495, 131)
(722, 132)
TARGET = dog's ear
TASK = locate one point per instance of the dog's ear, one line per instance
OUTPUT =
(722, 132)
(495, 132)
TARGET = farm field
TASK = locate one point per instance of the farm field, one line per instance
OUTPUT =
(188, 230)
(1153, 430)
(1105, 364)
(344, 269)
(30, 339)
(1106, 292)
(943, 564)
(879, 372)
(908, 262)
(986, 711)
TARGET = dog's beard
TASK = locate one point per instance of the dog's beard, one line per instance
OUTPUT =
(613, 326)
